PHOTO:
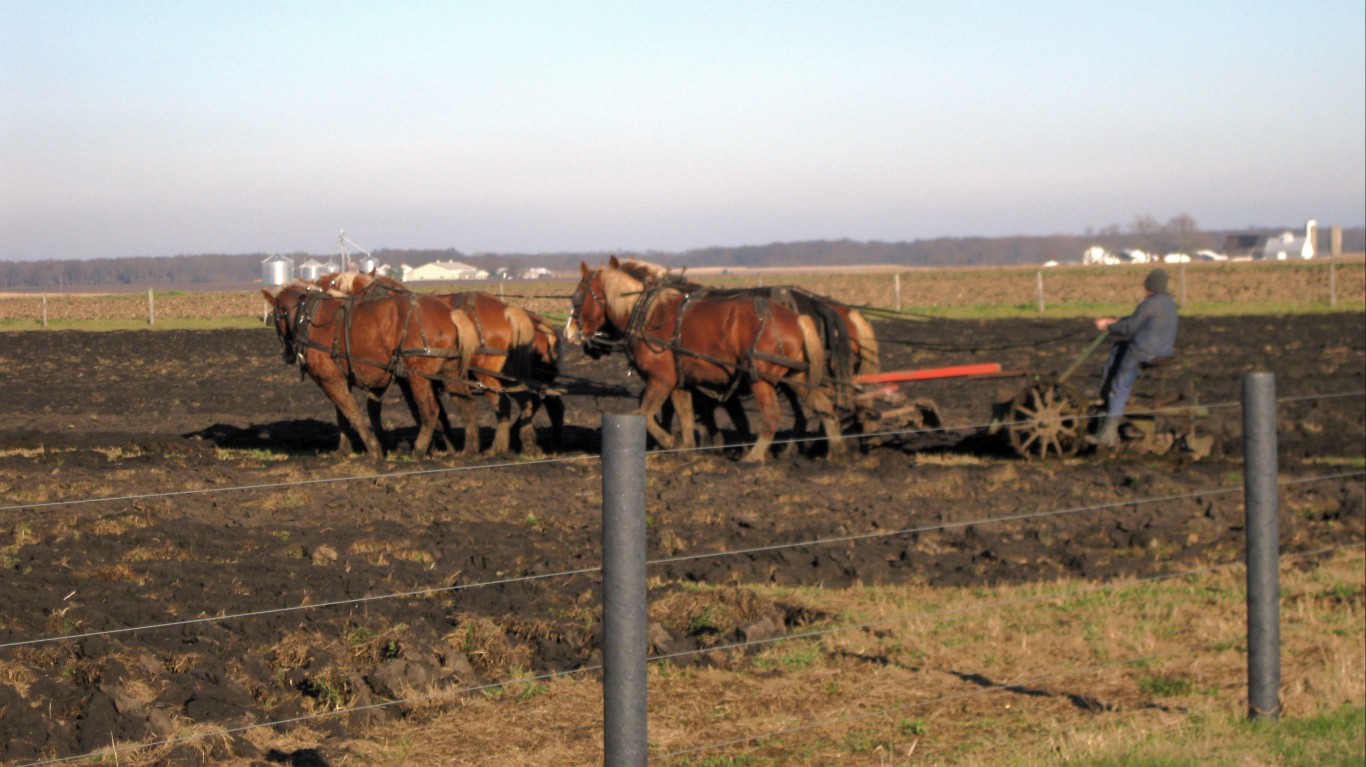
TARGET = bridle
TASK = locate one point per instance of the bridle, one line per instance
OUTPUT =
(600, 342)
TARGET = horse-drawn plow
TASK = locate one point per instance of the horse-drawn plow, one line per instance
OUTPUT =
(1042, 415)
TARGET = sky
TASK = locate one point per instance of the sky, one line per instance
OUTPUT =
(162, 128)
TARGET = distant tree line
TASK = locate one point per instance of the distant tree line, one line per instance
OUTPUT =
(1145, 233)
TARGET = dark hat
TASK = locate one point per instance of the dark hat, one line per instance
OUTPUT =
(1156, 281)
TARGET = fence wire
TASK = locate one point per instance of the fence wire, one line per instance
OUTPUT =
(579, 459)
(442, 695)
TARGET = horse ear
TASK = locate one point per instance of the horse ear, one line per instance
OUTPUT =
(269, 296)
(583, 269)
(613, 262)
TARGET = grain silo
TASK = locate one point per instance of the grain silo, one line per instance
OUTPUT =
(277, 270)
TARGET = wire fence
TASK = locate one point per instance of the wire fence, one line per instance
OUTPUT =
(746, 646)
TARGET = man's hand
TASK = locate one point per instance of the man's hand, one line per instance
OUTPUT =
(1105, 322)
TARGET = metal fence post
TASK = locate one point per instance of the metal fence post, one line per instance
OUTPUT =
(1263, 546)
(624, 646)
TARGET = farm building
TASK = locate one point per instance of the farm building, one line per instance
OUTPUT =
(1288, 245)
(1283, 246)
(313, 268)
(438, 271)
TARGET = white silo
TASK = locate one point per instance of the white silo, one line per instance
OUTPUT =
(277, 270)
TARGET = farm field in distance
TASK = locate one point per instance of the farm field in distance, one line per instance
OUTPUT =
(1037, 576)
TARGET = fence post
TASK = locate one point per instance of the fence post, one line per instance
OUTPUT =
(44, 308)
(624, 644)
(1040, 276)
(896, 289)
(151, 309)
(1332, 285)
(1263, 546)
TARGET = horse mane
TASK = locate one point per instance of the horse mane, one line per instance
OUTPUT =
(621, 290)
(643, 270)
(342, 284)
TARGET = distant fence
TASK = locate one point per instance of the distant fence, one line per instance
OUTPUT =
(1338, 283)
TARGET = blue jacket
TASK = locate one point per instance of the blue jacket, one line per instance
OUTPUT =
(1151, 329)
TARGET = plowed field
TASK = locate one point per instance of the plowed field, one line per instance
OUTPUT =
(164, 477)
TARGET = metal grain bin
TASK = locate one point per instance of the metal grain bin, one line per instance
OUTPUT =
(311, 269)
(367, 264)
(277, 270)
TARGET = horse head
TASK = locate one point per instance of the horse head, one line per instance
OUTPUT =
(285, 304)
(590, 323)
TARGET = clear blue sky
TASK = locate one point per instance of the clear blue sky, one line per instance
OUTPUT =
(158, 128)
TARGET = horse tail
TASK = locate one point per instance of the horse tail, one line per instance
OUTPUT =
(547, 341)
(466, 339)
(815, 350)
(869, 361)
(522, 343)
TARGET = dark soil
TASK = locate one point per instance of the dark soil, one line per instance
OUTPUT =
(161, 477)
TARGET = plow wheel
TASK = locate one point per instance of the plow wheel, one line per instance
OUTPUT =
(1048, 418)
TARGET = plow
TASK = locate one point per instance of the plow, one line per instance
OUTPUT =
(1042, 415)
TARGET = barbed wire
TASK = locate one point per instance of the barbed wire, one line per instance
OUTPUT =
(437, 696)
(662, 561)
(820, 724)
(588, 457)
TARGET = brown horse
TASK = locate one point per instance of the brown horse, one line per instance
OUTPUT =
(851, 346)
(719, 345)
(515, 360)
(340, 342)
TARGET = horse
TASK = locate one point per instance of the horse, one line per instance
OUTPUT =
(340, 342)
(718, 345)
(849, 339)
(515, 362)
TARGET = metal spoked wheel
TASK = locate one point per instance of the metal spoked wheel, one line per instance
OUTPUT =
(1047, 419)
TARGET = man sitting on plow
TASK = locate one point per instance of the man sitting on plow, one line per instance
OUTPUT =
(1144, 336)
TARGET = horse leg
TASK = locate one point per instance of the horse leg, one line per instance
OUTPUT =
(736, 410)
(799, 421)
(468, 408)
(346, 441)
(502, 433)
(554, 407)
(770, 415)
(819, 401)
(527, 405)
(651, 400)
(428, 409)
(340, 395)
(683, 406)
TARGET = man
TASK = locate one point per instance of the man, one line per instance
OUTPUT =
(1145, 335)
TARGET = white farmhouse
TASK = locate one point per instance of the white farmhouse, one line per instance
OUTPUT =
(1097, 255)
(1287, 245)
(445, 271)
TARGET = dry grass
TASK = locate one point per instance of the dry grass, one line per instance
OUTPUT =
(1060, 672)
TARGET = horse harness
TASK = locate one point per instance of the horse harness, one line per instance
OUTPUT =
(306, 319)
(738, 371)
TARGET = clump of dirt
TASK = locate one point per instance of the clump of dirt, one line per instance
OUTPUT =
(165, 479)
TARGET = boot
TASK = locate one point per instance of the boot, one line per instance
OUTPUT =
(1107, 435)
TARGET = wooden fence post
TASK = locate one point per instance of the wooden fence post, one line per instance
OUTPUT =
(896, 289)
(1041, 306)
(151, 308)
(44, 308)
(1332, 285)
